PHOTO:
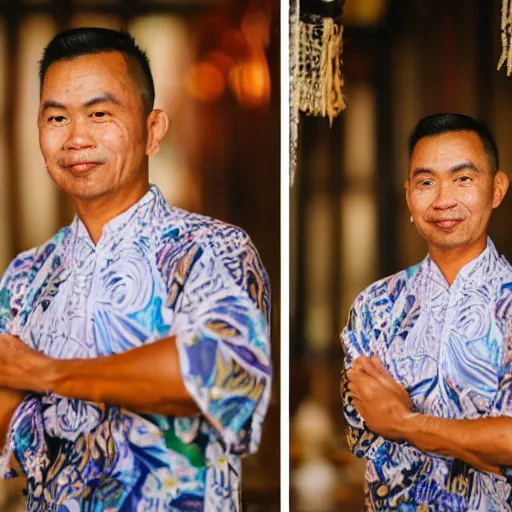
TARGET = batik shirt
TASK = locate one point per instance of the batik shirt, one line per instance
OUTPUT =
(450, 347)
(157, 271)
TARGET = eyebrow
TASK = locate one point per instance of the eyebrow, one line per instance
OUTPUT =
(102, 98)
(454, 169)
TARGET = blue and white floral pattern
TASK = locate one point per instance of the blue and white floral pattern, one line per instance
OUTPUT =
(450, 347)
(157, 271)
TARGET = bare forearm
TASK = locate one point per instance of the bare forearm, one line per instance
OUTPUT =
(484, 443)
(146, 379)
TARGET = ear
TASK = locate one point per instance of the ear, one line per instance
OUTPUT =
(500, 187)
(157, 124)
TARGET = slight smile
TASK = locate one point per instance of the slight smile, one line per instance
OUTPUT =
(82, 167)
(448, 224)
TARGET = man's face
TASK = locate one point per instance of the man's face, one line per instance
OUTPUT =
(451, 190)
(92, 129)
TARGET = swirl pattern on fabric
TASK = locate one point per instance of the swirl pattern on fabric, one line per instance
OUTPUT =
(157, 271)
(450, 347)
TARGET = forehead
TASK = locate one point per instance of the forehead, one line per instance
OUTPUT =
(87, 74)
(441, 152)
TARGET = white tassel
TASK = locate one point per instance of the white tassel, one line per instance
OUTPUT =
(506, 36)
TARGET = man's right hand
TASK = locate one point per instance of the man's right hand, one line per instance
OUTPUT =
(382, 403)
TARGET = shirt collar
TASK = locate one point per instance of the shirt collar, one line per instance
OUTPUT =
(119, 223)
(471, 274)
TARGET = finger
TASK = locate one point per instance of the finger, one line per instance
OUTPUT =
(365, 386)
(356, 364)
(382, 375)
(367, 366)
(360, 363)
(354, 375)
(356, 378)
(352, 388)
(378, 366)
(355, 390)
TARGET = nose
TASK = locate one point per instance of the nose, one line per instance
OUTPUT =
(78, 136)
(445, 198)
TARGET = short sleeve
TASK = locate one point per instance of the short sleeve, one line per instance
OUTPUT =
(221, 325)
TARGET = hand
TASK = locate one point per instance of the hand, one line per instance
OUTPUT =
(383, 404)
(21, 367)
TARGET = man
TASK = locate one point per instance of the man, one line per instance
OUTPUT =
(428, 367)
(134, 364)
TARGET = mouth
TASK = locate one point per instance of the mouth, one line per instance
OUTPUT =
(81, 167)
(447, 224)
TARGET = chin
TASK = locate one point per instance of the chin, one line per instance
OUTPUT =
(84, 193)
(450, 242)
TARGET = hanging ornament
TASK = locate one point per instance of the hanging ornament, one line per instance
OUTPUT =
(315, 64)
(506, 36)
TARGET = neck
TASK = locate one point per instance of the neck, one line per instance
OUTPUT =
(97, 212)
(451, 261)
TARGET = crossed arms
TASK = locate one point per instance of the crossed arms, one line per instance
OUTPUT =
(146, 379)
(371, 395)
(198, 369)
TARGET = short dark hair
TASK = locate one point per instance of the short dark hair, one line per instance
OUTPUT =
(77, 42)
(438, 124)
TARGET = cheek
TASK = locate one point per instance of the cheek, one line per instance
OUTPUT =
(420, 201)
(120, 139)
(112, 138)
(477, 201)
(51, 143)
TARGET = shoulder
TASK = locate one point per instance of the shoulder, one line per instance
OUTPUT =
(27, 263)
(385, 292)
(184, 234)
(372, 309)
(185, 238)
(207, 232)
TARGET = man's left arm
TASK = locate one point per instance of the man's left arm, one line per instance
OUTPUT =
(484, 443)
(146, 379)
(216, 360)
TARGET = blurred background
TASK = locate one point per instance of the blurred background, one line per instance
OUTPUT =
(402, 60)
(216, 68)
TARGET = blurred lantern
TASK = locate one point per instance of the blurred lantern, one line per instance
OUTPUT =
(234, 44)
(240, 62)
(250, 81)
(222, 62)
(255, 27)
(205, 82)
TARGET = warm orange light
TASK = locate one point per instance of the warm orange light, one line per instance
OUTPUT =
(205, 82)
(221, 61)
(234, 44)
(255, 27)
(250, 82)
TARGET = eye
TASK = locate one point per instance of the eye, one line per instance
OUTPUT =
(56, 119)
(425, 183)
(464, 179)
(99, 115)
